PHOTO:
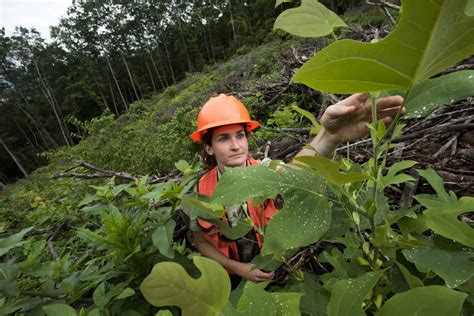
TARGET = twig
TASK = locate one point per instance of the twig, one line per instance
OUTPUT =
(387, 13)
(99, 173)
(267, 148)
(435, 130)
(280, 130)
(384, 4)
(52, 250)
(446, 146)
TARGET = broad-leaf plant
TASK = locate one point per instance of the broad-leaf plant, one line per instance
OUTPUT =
(387, 259)
(381, 258)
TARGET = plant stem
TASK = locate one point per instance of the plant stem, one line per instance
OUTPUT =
(334, 36)
(375, 156)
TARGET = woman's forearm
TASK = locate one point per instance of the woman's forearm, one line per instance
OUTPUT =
(322, 145)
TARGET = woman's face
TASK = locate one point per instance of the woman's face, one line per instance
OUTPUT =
(229, 146)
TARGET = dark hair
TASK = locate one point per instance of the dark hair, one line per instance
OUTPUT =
(210, 161)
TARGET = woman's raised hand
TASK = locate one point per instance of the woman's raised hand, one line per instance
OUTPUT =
(347, 120)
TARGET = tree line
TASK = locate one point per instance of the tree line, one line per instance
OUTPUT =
(103, 56)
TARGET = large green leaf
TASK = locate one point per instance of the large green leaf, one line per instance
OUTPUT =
(169, 284)
(348, 295)
(436, 182)
(455, 267)
(430, 37)
(59, 310)
(331, 170)
(316, 127)
(470, 8)
(314, 300)
(430, 94)
(311, 19)
(444, 220)
(12, 241)
(255, 301)
(200, 206)
(431, 300)
(163, 238)
(305, 216)
(393, 178)
(412, 281)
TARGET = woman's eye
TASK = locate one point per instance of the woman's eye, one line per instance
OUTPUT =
(241, 135)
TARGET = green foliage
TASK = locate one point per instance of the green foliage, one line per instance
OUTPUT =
(116, 242)
(413, 52)
(256, 301)
(59, 310)
(169, 284)
(430, 300)
(316, 127)
(306, 226)
(330, 170)
(311, 19)
(430, 94)
(374, 234)
(470, 8)
(12, 241)
(283, 118)
(102, 240)
(348, 295)
(442, 262)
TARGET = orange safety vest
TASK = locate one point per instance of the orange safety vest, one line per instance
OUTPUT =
(228, 247)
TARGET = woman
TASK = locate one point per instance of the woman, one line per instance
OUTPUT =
(223, 125)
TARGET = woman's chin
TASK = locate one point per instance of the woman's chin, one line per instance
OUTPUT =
(238, 161)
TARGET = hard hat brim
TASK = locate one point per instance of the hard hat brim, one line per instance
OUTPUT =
(197, 135)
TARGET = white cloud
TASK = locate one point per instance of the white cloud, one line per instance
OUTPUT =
(39, 14)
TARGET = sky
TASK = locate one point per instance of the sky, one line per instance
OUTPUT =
(32, 13)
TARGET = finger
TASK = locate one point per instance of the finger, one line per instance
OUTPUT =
(356, 100)
(389, 102)
(359, 98)
(389, 112)
(261, 279)
(263, 274)
(387, 120)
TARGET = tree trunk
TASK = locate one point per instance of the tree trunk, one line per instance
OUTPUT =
(50, 100)
(117, 84)
(17, 162)
(156, 70)
(190, 65)
(207, 46)
(232, 22)
(210, 41)
(151, 76)
(39, 127)
(113, 97)
(130, 76)
(28, 139)
(169, 63)
(163, 71)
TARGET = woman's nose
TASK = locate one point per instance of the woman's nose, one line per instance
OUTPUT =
(234, 143)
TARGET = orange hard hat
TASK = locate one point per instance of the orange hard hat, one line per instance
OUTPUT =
(219, 111)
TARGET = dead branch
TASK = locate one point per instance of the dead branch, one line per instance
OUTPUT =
(435, 130)
(384, 4)
(99, 173)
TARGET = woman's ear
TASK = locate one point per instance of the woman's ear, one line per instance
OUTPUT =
(209, 150)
